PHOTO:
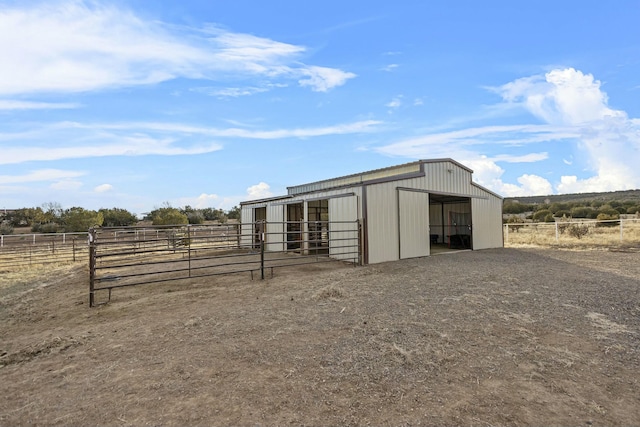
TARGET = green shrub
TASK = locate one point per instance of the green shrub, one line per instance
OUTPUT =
(608, 220)
(78, 219)
(195, 217)
(168, 216)
(6, 228)
(48, 227)
(117, 217)
(542, 215)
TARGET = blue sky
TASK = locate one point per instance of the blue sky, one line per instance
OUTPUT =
(133, 104)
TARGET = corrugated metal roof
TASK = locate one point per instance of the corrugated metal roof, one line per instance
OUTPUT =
(399, 171)
(355, 179)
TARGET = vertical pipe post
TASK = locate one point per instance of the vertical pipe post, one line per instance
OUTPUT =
(262, 249)
(189, 246)
(359, 243)
(556, 231)
(621, 234)
(92, 265)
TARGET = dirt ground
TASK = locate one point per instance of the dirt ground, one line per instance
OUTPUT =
(494, 337)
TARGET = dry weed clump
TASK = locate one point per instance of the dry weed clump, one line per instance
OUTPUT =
(331, 292)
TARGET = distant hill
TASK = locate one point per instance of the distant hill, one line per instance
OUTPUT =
(620, 196)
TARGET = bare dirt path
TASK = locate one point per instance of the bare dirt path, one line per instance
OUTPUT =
(493, 337)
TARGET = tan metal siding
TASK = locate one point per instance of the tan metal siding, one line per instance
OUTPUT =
(354, 179)
(382, 222)
(246, 226)
(487, 223)
(343, 236)
(275, 228)
(413, 208)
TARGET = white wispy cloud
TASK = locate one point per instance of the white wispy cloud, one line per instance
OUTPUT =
(321, 79)
(103, 188)
(390, 67)
(259, 191)
(76, 46)
(41, 175)
(395, 103)
(7, 104)
(235, 92)
(202, 201)
(80, 140)
(459, 141)
(111, 145)
(66, 185)
(608, 137)
(573, 108)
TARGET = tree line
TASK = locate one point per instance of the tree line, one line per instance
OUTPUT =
(52, 218)
(546, 212)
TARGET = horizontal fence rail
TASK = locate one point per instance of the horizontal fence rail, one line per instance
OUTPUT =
(574, 232)
(19, 251)
(122, 257)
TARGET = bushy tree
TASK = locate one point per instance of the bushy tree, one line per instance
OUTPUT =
(51, 212)
(234, 213)
(607, 220)
(510, 207)
(557, 208)
(581, 211)
(116, 217)
(168, 216)
(609, 211)
(211, 214)
(195, 217)
(6, 227)
(78, 219)
(47, 219)
(543, 215)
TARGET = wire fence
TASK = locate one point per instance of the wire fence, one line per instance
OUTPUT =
(19, 251)
(131, 256)
(574, 233)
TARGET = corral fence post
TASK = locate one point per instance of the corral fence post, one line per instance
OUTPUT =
(262, 238)
(360, 243)
(92, 265)
(621, 233)
(189, 246)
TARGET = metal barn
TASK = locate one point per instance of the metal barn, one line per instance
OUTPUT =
(410, 210)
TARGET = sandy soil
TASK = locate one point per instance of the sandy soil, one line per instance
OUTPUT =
(494, 337)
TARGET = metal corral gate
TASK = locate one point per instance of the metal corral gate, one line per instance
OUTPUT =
(131, 256)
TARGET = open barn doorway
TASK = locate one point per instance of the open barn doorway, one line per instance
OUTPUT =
(295, 220)
(450, 226)
(259, 214)
(318, 223)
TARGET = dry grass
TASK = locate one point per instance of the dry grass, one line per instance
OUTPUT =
(496, 337)
(544, 234)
